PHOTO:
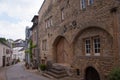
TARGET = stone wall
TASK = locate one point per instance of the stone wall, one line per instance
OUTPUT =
(95, 19)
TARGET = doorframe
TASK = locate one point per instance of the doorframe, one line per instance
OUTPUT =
(98, 74)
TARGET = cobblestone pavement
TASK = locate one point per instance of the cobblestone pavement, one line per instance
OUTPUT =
(17, 72)
(2, 74)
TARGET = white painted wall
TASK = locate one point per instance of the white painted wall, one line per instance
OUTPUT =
(22, 55)
(18, 54)
(3, 49)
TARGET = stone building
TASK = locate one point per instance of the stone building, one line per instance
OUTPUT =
(34, 38)
(28, 34)
(82, 34)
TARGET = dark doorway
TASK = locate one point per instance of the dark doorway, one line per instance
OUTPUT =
(3, 61)
(91, 74)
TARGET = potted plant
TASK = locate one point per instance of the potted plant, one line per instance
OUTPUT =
(43, 67)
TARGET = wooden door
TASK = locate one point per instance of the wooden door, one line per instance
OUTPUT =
(63, 51)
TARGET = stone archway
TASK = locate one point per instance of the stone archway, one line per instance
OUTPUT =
(62, 50)
(91, 74)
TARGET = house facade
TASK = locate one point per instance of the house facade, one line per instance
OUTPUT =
(27, 39)
(34, 39)
(18, 50)
(18, 53)
(5, 54)
(84, 34)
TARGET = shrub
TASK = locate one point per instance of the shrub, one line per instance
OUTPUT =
(18, 60)
(114, 74)
(43, 67)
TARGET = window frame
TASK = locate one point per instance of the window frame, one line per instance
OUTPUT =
(90, 47)
(90, 3)
(82, 4)
(87, 47)
(96, 46)
(48, 22)
(62, 14)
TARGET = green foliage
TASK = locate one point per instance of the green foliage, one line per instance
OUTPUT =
(31, 48)
(43, 67)
(31, 43)
(114, 74)
(27, 51)
(3, 40)
(18, 60)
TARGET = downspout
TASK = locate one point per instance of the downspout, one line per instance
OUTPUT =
(38, 48)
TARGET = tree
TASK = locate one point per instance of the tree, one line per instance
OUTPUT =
(3, 40)
(114, 74)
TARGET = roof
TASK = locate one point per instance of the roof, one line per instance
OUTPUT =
(41, 6)
(35, 22)
(5, 43)
(34, 18)
(18, 41)
(22, 49)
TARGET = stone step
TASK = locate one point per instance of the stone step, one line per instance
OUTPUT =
(47, 75)
(58, 68)
(56, 75)
(57, 71)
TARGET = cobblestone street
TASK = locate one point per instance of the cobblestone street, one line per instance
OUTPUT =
(2, 74)
(17, 72)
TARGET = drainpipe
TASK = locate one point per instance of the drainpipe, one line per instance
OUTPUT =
(38, 48)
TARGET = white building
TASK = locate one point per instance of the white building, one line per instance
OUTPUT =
(5, 54)
(18, 53)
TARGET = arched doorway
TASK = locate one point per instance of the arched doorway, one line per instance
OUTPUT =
(91, 74)
(62, 50)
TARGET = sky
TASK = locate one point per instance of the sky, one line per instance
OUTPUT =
(15, 15)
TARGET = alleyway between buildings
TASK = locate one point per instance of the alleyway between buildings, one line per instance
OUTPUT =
(18, 72)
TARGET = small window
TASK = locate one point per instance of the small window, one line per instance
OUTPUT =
(44, 45)
(90, 2)
(96, 43)
(62, 14)
(82, 3)
(87, 46)
(48, 22)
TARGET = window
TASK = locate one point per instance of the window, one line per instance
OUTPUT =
(92, 45)
(62, 14)
(96, 43)
(82, 2)
(90, 2)
(87, 46)
(3, 50)
(44, 45)
(48, 22)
